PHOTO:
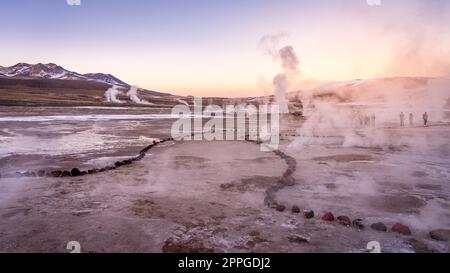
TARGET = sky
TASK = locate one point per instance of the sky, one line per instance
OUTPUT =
(212, 47)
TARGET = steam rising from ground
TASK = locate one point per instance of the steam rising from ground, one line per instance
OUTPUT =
(353, 110)
(133, 94)
(112, 93)
(289, 64)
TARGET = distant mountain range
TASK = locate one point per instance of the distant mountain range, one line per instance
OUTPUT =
(53, 71)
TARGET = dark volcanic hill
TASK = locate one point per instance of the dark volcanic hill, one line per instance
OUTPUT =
(52, 71)
(56, 92)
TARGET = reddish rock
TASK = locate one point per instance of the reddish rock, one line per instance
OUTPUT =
(344, 220)
(399, 228)
(328, 217)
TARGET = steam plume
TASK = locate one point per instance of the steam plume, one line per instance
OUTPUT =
(112, 93)
(289, 64)
(133, 94)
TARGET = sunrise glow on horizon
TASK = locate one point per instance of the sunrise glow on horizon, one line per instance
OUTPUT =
(211, 48)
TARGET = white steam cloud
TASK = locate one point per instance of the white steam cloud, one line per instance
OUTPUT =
(112, 93)
(133, 95)
(289, 64)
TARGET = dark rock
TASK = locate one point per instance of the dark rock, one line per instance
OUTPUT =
(65, 174)
(344, 220)
(127, 162)
(379, 227)
(110, 168)
(295, 209)
(308, 214)
(56, 173)
(41, 173)
(29, 174)
(75, 172)
(154, 142)
(92, 171)
(287, 173)
(118, 164)
(358, 224)
(440, 235)
(83, 173)
(402, 229)
(280, 208)
(328, 217)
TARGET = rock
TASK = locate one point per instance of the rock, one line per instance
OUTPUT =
(298, 239)
(358, 224)
(110, 168)
(154, 142)
(280, 208)
(65, 174)
(75, 172)
(92, 171)
(399, 228)
(290, 181)
(308, 214)
(440, 235)
(127, 162)
(344, 220)
(118, 164)
(83, 173)
(41, 173)
(29, 174)
(421, 247)
(56, 173)
(379, 227)
(287, 173)
(328, 217)
(295, 209)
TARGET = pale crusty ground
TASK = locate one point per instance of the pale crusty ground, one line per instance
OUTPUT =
(208, 196)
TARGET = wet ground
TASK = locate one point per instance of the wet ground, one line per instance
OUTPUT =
(209, 196)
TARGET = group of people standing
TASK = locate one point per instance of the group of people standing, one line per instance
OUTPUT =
(411, 119)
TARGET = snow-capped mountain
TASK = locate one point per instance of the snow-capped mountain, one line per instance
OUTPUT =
(108, 78)
(53, 71)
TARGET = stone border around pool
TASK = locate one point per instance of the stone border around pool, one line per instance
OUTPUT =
(75, 172)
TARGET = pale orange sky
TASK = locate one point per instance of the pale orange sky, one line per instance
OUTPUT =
(210, 48)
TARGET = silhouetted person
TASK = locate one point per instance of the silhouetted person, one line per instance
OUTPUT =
(425, 119)
(411, 119)
(402, 119)
(372, 120)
